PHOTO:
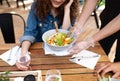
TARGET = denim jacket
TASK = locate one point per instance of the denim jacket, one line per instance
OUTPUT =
(36, 27)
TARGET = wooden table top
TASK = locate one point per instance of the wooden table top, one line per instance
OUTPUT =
(69, 70)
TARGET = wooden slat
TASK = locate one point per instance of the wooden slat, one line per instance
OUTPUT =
(72, 71)
(69, 70)
(51, 60)
(15, 74)
(77, 77)
(8, 46)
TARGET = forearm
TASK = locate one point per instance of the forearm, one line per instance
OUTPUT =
(66, 19)
(108, 30)
(86, 12)
(25, 46)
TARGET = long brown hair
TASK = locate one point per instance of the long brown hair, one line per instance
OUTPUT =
(43, 7)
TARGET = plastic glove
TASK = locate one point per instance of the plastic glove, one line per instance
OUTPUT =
(79, 46)
(23, 62)
(78, 29)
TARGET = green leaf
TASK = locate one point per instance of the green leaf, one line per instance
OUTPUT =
(6, 79)
(4, 76)
(1, 79)
(7, 72)
(57, 79)
(59, 38)
(109, 78)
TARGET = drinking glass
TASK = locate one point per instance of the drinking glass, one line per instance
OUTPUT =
(53, 75)
(24, 60)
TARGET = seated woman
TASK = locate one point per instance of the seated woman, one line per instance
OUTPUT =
(41, 17)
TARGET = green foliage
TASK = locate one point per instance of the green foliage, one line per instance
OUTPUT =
(4, 76)
(101, 2)
(57, 79)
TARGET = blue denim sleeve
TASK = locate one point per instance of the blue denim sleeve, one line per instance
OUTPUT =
(28, 38)
(31, 27)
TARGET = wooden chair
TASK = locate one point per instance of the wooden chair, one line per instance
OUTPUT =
(17, 2)
(11, 25)
(96, 18)
(95, 14)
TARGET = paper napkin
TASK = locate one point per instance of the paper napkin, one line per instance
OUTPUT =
(55, 53)
(112, 79)
(86, 58)
(14, 55)
(19, 79)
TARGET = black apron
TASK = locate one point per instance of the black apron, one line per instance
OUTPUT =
(112, 9)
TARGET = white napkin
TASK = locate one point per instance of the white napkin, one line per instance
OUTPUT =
(112, 79)
(19, 79)
(14, 55)
(55, 53)
(87, 59)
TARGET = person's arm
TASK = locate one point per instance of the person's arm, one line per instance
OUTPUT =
(25, 47)
(27, 39)
(86, 12)
(108, 30)
(66, 20)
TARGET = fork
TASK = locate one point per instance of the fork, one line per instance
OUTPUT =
(56, 26)
(9, 58)
(70, 32)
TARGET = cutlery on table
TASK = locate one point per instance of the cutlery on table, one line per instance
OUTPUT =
(83, 57)
(10, 53)
(9, 57)
(70, 32)
(56, 26)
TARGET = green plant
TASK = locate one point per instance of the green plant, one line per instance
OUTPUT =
(4, 76)
(101, 2)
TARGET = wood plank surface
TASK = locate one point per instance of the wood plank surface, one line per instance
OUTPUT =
(22, 74)
(69, 70)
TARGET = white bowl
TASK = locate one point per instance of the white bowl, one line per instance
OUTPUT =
(48, 33)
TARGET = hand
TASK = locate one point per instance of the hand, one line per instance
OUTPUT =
(77, 29)
(23, 62)
(110, 67)
(21, 67)
(68, 4)
(81, 46)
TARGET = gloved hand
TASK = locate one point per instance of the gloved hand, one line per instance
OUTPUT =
(79, 46)
(78, 29)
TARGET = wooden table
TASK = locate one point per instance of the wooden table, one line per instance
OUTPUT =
(70, 71)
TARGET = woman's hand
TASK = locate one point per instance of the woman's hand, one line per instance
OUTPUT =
(23, 62)
(66, 20)
(68, 5)
(104, 68)
(21, 67)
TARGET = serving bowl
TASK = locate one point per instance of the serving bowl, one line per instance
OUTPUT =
(51, 32)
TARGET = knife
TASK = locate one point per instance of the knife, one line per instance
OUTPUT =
(84, 57)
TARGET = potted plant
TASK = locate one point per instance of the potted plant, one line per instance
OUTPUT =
(4, 76)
